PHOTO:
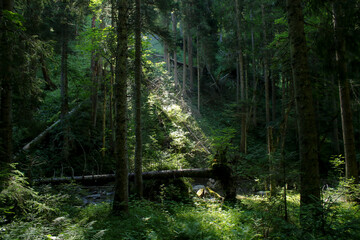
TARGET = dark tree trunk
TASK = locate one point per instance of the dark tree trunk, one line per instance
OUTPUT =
(138, 148)
(184, 65)
(121, 198)
(351, 168)
(111, 108)
(190, 57)
(242, 79)
(94, 80)
(198, 70)
(64, 91)
(308, 141)
(254, 98)
(173, 16)
(6, 81)
(269, 137)
(335, 136)
(166, 44)
(273, 97)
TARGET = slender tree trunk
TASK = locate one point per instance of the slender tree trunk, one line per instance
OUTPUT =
(190, 57)
(184, 65)
(254, 75)
(111, 108)
(94, 80)
(103, 153)
(242, 80)
(121, 197)
(273, 96)
(166, 45)
(351, 168)
(64, 91)
(308, 142)
(335, 136)
(269, 138)
(138, 148)
(198, 69)
(173, 17)
(237, 84)
(112, 77)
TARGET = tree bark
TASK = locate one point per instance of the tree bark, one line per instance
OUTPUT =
(94, 80)
(6, 82)
(64, 89)
(138, 147)
(351, 168)
(254, 105)
(198, 70)
(121, 198)
(308, 142)
(184, 65)
(190, 58)
(173, 17)
(103, 153)
(269, 137)
(242, 80)
(335, 109)
(166, 45)
(273, 97)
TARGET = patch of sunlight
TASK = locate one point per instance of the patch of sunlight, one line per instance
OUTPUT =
(178, 137)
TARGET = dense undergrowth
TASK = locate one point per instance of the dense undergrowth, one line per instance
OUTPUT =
(59, 213)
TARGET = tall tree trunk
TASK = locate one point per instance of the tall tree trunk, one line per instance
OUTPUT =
(351, 168)
(269, 138)
(103, 153)
(254, 75)
(242, 80)
(112, 80)
(190, 57)
(308, 142)
(6, 82)
(173, 17)
(111, 108)
(64, 91)
(184, 65)
(94, 80)
(138, 148)
(198, 69)
(121, 198)
(335, 135)
(166, 45)
(273, 96)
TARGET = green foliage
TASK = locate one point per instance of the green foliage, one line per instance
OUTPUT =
(147, 220)
(28, 214)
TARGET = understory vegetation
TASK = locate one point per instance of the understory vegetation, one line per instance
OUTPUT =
(103, 102)
(59, 212)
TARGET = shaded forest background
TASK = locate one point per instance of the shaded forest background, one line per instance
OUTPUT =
(267, 90)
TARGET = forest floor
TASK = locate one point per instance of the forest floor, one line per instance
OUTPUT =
(60, 213)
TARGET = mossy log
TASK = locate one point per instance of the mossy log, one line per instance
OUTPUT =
(106, 178)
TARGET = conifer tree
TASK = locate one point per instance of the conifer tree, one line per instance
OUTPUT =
(121, 198)
(309, 162)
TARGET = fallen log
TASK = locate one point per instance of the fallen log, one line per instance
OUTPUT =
(106, 178)
(44, 133)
